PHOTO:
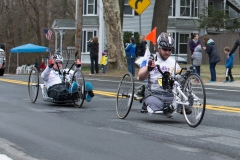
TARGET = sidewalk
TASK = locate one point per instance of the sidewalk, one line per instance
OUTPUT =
(218, 83)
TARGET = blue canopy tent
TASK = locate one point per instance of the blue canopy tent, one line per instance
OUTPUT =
(26, 49)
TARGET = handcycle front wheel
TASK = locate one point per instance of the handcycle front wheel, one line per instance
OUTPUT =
(33, 84)
(195, 91)
(125, 95)
(79, 79)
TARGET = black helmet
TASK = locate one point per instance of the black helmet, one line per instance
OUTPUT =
(165, 41)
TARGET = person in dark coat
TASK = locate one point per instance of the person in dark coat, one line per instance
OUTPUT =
(94, 49)
(142, 46)
(236, 44)
(214, 57)
(193, 43)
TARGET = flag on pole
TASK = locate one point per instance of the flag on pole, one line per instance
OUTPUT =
(144, 58)
(152, 36)
(48, 33)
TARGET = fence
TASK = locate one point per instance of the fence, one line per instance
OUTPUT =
(221, 40)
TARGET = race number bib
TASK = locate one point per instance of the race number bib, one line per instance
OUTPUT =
(160, 81)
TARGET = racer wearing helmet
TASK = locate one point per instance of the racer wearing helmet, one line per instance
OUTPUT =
(155, 95)
(57, 89)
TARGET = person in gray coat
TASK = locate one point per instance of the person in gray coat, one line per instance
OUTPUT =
(197, 58)
(214, 57)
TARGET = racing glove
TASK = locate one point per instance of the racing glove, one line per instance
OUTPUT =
(150, 68)
(50, 63)
(78, 63)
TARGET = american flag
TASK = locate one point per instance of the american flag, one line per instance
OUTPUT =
(48, 33)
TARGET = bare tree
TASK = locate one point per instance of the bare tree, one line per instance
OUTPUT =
(78, 36)
(112, 21)
(160, 16)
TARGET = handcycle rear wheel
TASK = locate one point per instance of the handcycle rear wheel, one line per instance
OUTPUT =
(195, 91)
(33, 84)
(79, 78)
(125, 95)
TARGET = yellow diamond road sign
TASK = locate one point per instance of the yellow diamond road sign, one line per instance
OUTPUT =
(139, 5)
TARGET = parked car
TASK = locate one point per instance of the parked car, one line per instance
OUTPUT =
(179, 59)
(2, 62)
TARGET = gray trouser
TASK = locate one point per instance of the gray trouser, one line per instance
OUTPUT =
(156, 102)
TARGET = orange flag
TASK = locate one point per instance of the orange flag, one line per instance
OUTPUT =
(152, 36)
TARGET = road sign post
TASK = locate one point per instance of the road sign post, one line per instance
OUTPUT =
(139, 6)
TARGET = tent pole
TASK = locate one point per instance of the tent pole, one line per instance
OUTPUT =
(9, 58)
(17, 59)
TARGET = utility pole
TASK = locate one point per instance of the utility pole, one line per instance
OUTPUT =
(79, 19)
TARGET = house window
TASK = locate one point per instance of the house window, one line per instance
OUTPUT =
(128, 11)
(226, 9)
(172, 8)
(90, 7)
(189, 8)
(183, 42)
(87, 35)
(210, 5)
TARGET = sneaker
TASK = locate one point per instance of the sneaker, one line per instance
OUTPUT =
(226, 81)
(144, 108)
(140, 91)
(89, 92)
(232, 80)
(152, 111)
(74, 87)
(90, 74)
(211, 81)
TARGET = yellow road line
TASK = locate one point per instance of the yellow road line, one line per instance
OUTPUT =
(113, 94)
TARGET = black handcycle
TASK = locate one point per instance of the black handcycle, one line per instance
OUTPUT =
(76, 76)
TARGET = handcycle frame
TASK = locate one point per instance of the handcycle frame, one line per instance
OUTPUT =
(187, 88)
(33, 86)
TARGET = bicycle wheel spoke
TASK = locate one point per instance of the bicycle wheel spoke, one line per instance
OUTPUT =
(125, 96)
(195, 91)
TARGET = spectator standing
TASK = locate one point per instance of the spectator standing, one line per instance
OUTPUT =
(103, 61)
(94, 49)
(197, 58)
(213, 55)
(131, 55)
(193, 43)
(229, 65)
(236, 44)
(142, 46)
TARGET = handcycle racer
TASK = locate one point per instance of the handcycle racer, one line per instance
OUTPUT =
(156, 98)
(57, 89)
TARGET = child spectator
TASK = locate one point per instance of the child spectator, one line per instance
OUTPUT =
(229, 65)
(197, 58)
(103, 61)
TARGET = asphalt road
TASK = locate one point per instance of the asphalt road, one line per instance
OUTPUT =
(50, 131)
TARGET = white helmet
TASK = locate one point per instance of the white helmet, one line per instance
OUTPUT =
(57, 56)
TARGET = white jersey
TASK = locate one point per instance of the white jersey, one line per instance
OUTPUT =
(52, 77)
(155, 77)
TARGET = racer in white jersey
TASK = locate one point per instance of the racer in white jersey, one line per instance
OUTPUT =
(155, 94)
(57, 89)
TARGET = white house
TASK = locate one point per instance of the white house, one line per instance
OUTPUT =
(183, 16)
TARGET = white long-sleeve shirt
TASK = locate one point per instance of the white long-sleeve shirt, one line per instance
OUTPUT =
(50, 77)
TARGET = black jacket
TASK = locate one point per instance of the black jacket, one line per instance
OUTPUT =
(142, 48)
(212, 52)
(237, 43)
(93, 48)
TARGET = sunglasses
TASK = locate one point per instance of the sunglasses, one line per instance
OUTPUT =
(166, 49)
(59, 62)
